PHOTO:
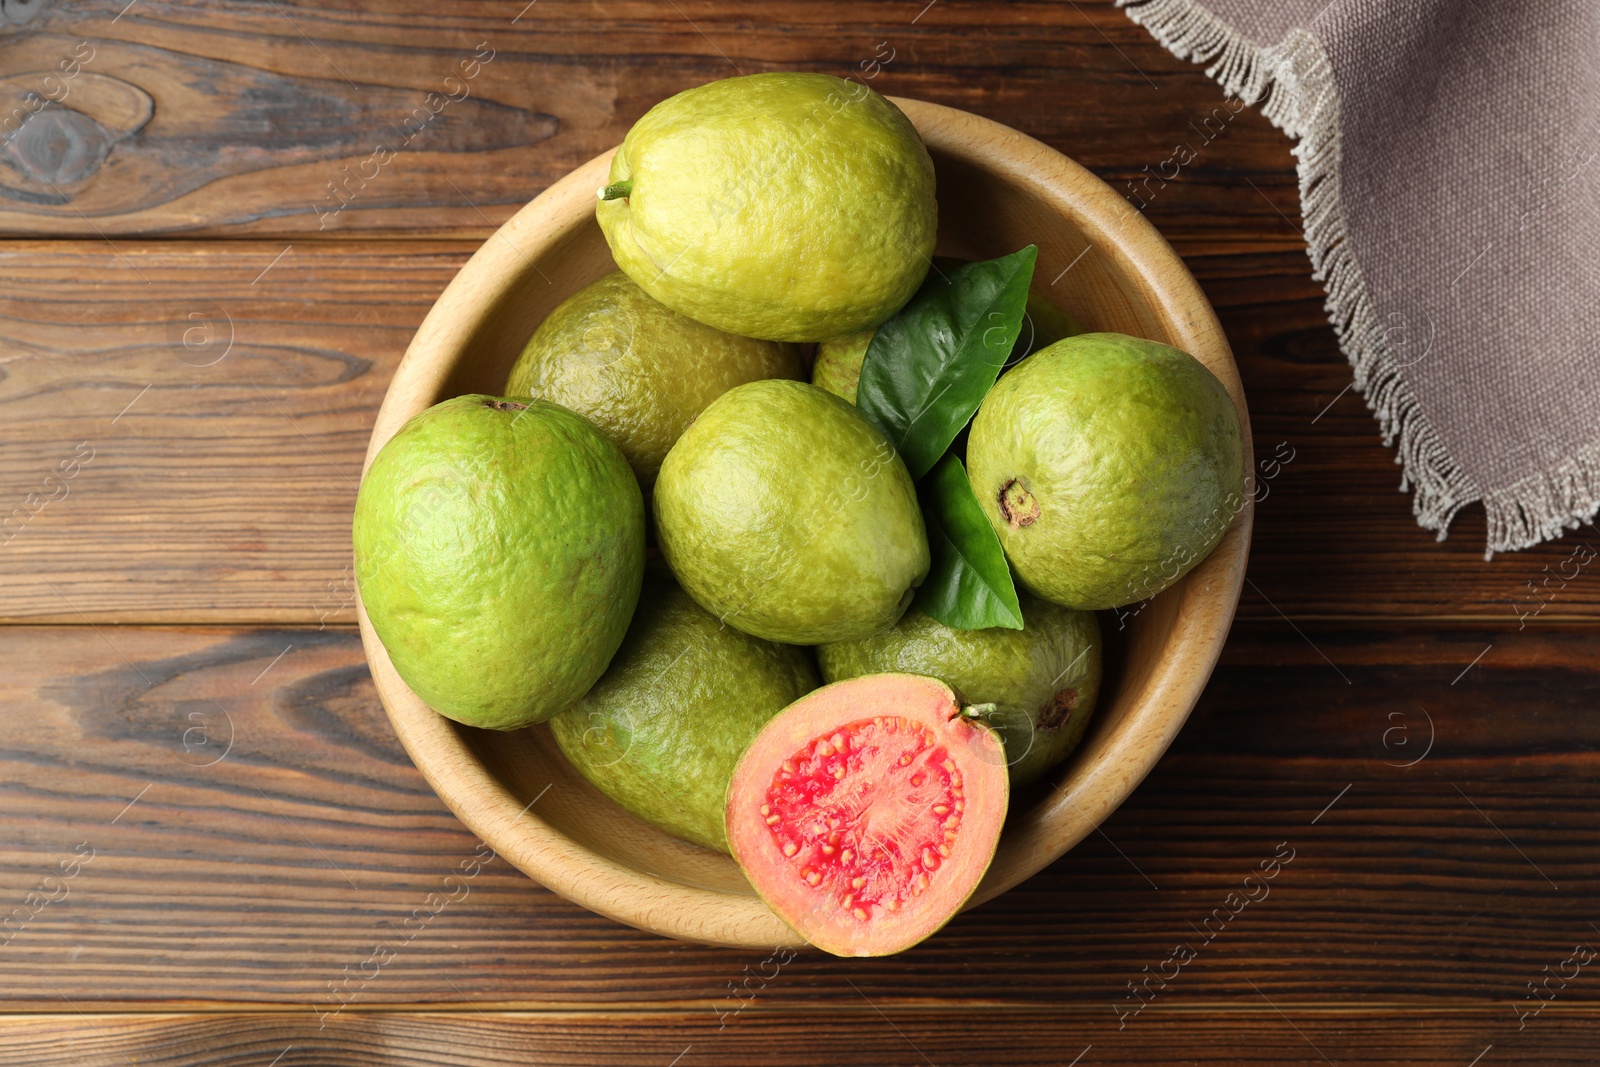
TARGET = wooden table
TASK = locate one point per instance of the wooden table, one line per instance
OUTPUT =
(210, 837)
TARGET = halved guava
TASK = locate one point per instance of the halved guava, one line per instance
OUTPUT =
(866, 812)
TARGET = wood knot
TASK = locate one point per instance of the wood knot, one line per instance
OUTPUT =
(59, 146)
(15, 13)
(57, 128)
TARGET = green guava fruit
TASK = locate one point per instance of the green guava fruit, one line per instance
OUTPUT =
(794, 207)
(1042, 679)
(838, 364)
(662, 729)
(637, 369)
(866, 813)
(785, 513)
(1108, 465)
(837, 367)
(499, 549)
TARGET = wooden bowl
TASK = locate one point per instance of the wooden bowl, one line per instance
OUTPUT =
(998, 191)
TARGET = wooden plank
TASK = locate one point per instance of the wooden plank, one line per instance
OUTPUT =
(222, 396)
(951, 1035)
(223, 493)
(297, 118)
(212, 817)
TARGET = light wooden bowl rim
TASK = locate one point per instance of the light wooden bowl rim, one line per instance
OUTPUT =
(1209, 594)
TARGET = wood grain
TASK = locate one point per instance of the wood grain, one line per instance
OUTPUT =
(1008, 1037)
(286, 872)
(224, 492)
(227, 393)
(244, 118)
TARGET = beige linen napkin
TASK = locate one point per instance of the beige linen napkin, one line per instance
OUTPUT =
(1449, 186)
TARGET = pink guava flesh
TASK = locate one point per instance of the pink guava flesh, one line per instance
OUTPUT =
(866, 813)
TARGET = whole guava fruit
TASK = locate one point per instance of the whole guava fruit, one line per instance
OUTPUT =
(866, 812)
(637, 369)
(1108, 465)
(838, 364)
(1042, 679)
(499, 549)
(794, 207)
(788, 515)
(663, 728)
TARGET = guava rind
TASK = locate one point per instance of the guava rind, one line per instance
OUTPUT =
(637, 369)
(788, 515)
(873, 793)
(1109, 466)
(838, 364)
(787, 206)
(663, 728)
(499, 552)
(837, 367)
(1043, 679)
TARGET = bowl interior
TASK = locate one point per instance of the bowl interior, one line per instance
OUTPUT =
(998, 191)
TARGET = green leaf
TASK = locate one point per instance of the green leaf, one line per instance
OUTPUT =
(968, 586)
(928, 368)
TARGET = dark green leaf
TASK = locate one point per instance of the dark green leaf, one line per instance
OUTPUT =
(928, 368)
(968, 585)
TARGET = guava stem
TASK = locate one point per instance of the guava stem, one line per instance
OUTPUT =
(617, 190)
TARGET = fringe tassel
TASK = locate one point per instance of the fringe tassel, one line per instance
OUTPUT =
(1294, 85)
(1546, 505)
